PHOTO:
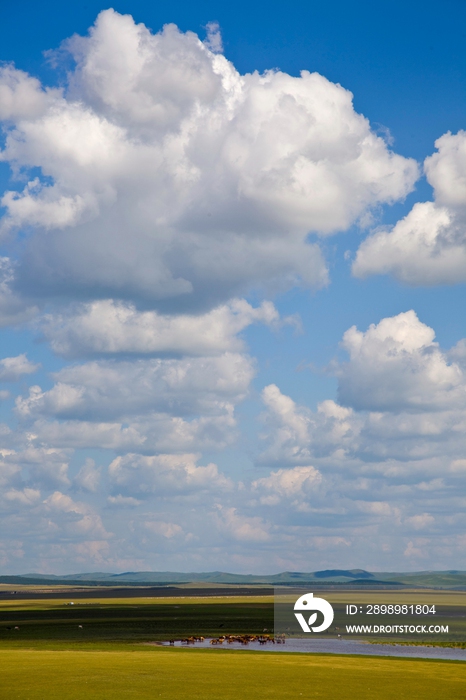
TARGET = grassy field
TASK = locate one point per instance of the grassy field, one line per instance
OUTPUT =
(179, 674)
(133, 619)
(50, 657)
(450, 610)
(421, 596)
(149, 619)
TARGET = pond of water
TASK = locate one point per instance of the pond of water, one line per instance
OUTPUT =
(340, 646)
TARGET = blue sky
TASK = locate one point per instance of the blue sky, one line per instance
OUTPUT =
(231, 292)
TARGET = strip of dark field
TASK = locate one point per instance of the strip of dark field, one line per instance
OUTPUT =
(152, 592)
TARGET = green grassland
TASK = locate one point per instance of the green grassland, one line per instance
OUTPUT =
(179, 674)
(450, 607)
(51, 658)
(156, 619)
(133, 619)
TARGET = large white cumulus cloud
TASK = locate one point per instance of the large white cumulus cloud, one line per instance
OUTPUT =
(106, 327)
(147, 406)
(397, 365)
(151, 194)
(428, 246)
(109, 390)
(387, 467)
(165, 474)
(402, 401)
(172, 179)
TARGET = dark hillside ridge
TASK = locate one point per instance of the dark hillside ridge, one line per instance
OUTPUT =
(353, 573)
(451, 579)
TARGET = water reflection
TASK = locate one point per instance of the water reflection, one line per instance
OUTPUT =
(337, 646)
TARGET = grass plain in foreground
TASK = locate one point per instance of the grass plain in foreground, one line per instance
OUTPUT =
(94, 650)
(188, 674)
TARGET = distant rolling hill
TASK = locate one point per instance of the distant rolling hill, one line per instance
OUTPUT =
(353, 577)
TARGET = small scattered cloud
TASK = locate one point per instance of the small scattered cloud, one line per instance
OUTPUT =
(88, 477)
(13, 368)
(213, 40)
(163, 529)
(421, 522)
(123, 501)
(24, 497)
(241, 528)
(296, 484)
